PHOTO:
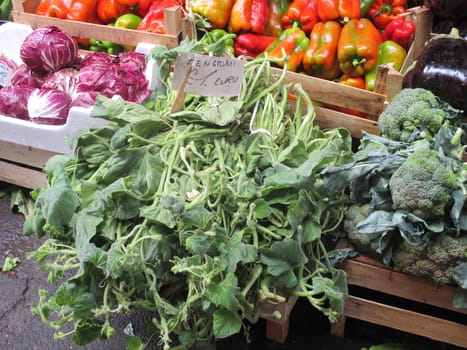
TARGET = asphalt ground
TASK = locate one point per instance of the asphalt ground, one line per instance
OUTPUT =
(20, 330)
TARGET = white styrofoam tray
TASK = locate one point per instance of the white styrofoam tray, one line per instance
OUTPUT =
(50, 137)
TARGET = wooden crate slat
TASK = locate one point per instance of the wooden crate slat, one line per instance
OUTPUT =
(20, 154)
(327, 118)
(400, 284)
(21, 176)
(407, 321)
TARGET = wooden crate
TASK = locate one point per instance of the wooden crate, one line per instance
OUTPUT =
(388, 84)
(23, 12)
(371, 274)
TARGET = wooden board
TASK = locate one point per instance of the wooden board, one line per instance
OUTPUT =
(407, 321)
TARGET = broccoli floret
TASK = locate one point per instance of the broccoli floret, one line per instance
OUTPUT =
(364, 242)
(413, 114)
(434, 260)
(423, 184)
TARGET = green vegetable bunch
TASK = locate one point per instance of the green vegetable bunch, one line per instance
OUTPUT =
(197, 216)
(408, 193)
(415, 114)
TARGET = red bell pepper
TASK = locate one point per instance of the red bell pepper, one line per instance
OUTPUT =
(249, 15)
(154, 20)
(109, 10)
(76, 10)
(250, 44)
(381, 12)
(401, 31)
(342, 10)
(140, 7)
(304, 13)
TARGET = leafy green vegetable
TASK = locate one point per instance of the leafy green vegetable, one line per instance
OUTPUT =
(194, 216)
(10, 263)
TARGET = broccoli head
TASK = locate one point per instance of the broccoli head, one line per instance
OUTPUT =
(435, 260)
(413, 114)
(364, 242)
(423, 184)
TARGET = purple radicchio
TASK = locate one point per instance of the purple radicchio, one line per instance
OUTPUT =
(23, 75)
(48, 49)
(14, 101)
(49, 106)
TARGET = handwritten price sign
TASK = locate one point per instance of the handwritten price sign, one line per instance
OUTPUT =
(208, 75)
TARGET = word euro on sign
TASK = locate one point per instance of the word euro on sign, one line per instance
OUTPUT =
(208, 75)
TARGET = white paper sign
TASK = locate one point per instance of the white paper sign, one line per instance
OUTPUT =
(209, 75)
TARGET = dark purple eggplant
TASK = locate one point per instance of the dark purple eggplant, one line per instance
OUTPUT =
(441, 68)
(447, 8)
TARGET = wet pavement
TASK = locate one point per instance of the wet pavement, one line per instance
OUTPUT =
(20, 330)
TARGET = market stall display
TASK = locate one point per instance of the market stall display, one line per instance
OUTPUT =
(210, 206)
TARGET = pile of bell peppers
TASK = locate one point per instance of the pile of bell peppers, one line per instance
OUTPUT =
(146, 15)
(340, 40)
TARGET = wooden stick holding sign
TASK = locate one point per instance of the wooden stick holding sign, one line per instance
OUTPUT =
(180, 98)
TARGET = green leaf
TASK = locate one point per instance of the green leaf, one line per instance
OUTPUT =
(299, 210)
(197, 244)
(283, 256)
(225, 323)
(237, 251)
(87, 331)
(294, 154)
(81, 301)
(149, 174)
(115, 258)
(222, 113)
(262, 209)
(311, 231)
(198, 217)
(133, 342)
(10, 263)
(85, 229)
(223, 293)
(58, 202)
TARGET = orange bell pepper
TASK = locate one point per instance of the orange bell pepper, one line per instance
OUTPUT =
(342, 10)
(358, 47)
(320, 58)
(357, 82)
(381, 12)
(290, 46)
